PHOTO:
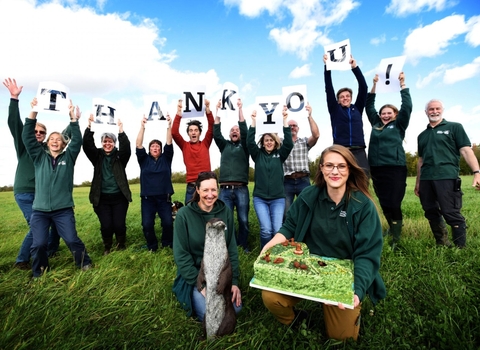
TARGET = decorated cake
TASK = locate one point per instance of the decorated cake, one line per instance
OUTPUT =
(289, 268)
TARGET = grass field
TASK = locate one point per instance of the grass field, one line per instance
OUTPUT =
(126, 302)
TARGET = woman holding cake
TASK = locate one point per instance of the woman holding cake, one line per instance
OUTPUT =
(335, 218)
(189, 242)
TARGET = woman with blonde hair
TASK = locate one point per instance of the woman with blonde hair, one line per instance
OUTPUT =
(268, 192)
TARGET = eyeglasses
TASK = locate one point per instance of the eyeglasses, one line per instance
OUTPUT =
(41, 132)
(342, 167)
(293, 126)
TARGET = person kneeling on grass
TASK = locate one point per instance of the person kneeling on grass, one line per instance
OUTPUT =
(53, 191)
(335, 218)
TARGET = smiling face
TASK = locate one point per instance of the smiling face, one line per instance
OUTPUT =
(208, 194)
(269, 143)
(108, 145)
(235, 134)
(387, 114)
(194, 133)
(335, 178)
(434, 112)
(40, 133)
(345, 99)
(55, 143)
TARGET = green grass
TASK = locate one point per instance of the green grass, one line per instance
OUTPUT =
(126, 302)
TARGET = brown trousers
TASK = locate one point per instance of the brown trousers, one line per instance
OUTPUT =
(339, 324)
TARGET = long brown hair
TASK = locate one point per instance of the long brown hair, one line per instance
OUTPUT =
(357, 179)
(204, 175)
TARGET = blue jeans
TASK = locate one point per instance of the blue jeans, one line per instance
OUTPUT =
(25, 203)
(238, 197)
(64, 220)
(293, 187)
(198, 304)
(270, 216)
(189, 193)
(151, 205)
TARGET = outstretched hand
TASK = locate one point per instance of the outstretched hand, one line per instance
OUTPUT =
(11, 85)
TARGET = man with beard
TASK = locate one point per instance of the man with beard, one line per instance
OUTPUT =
(234, 171)
(296, 169)
(438, 183)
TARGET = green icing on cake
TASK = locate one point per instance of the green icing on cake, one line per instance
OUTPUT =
(333, 282)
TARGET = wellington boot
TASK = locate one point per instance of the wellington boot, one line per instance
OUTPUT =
(388, 217)
(440, 232)
(396, 231)
(121, 240)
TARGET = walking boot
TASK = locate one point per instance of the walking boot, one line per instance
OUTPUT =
(440, 232)
(388, 217)
(121, 240)
(396, 231)
(459, 235)
(107, 243)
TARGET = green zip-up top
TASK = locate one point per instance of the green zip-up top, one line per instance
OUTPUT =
(234, 159)
(386, 141)
(363, 224)
(269, 166)
(188, 245)
(25, 173)
(53, 185)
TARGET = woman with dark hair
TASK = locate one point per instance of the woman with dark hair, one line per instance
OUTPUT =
(109, 193)
(388, 164)
(269, 192)
(189, 241)
(156, 186)
(335, 218)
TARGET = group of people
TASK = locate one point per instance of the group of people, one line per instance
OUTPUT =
(336, 216)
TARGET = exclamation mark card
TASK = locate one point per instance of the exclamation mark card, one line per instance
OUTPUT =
(388, 71)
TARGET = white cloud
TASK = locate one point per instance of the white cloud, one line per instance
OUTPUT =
(310, 21)
(253, 8)
(378, 40)
(87, 51)
(473, 36)
(437, 73)
(433, 39)
(407, 7)
(464, 72)
(300, 72)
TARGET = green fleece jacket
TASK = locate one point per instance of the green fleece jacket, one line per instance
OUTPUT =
(269, 166)
(234, 159)
(53, 185)
(25, 173)
(386, 141)
(364, 226)
(188, 245)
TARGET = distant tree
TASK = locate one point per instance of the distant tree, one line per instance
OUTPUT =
(412, 161)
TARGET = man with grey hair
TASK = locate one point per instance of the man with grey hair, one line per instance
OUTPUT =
(438, 183)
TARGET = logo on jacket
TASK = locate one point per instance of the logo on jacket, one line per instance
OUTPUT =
(62, 162)
(343, 214)
(445, 132)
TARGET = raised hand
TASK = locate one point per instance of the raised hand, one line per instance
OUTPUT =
(11, 85)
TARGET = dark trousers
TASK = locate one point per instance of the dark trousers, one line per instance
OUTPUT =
(64, 220)
(390, 183)
(361, 158)
(151, 205)
(112, 213)
(442, 198)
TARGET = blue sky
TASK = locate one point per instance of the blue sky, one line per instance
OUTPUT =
(123, 50)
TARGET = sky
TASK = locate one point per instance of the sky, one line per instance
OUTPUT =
(122, 51)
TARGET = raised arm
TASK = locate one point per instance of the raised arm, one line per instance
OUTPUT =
(169, 130)
(141, 133)
(362, 86)
(177, 137)
(315, 133)
(403, 118)
(11, 85)
(372, 113)
(209, 134)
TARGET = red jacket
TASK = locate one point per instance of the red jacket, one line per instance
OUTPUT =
(196, 156)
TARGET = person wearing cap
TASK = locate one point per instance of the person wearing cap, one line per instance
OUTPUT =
(109, 193)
